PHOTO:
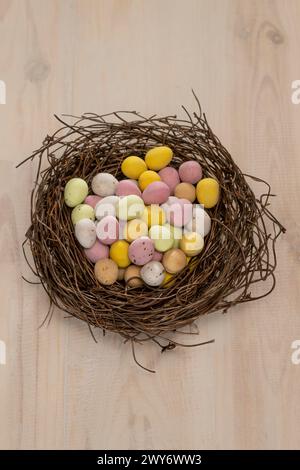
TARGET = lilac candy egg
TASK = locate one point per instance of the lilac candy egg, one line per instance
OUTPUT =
(190, 172)
(169, 175)
(156, 193)
(141, 251)
(157, 256)
(127, 187)
(96, 252)
(107, 230)
(179, 212)
(92, 200)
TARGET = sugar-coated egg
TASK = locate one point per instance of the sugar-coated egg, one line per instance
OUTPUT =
(157, 256)
(185, 191)
(107, 230)
(200, 222)
(191, 243)
(158, 157)
(127, 187)
(141, 251)
(76, 190)
(146, 178)
(106, 271)
(190, 172)
(134, 229)
(96, 252)
(156, 193)
(85, 232)
(174, 260)
(168, 280)
(132, 276)
(121, 274)
(208, 192)
(92, 200)
(179, 212)
(104, 184)
(130, 207)
(154, 215)
(82, 211)
(176, 233)
(169, 175)
(119, 253)
(107, 206)
(153, 273)
(161, 237)
(133, 166)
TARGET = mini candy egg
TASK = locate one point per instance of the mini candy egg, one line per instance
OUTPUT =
(174, 261)
(141, 251)
(104, 184)
(132, 276)
(133, 166)
(201, 222)
(176, 233)
(146, 178)
(107, 206)
(169, 175)
(156, 193)
(127, 187)
(106, 271)
(153, 273)
(119, 253)
(167, 280)
(85, 232)
(154, 215)
(185, 191)
(191, 243)
(158, 157)
(157, 256)
(162, 237)
(130, 207)
(96, 252)
(134, 229)
(190, 172)
(121, 274)
(76, 190)
(107, 230)
(92, 200)
(179, 212)
(208, 192)
(82, 211)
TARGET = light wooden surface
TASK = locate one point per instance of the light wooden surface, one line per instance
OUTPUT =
(58, 388)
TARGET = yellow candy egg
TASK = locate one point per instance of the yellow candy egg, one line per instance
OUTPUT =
(158, 157)
(154, 215)
(134, 229)
(167, 282)
(146, 178)
(119, 253)
(208, 192)
(191, 243)
(133, 167)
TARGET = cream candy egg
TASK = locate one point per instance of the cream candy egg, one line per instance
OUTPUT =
(130, 207)
(153, 273)
(169, 175)
(190, 172)
(176, 233)
(104, 184)
(92, 200)
(127, 187)
(76, 190)
(162, 237)
(82, 211)
(107, 230)
(185, 191)
(96, 252)
(85, 232)
(107, 206)
(106, 271)
(156, 193)
(134, 229)
(201, 222)
(191, 243)
(132, 276)
(141, 251)
(174, 261)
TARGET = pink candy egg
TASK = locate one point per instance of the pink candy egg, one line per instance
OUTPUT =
(141, 251)
(107, 230)
(157, 256)
(156, 193)
(179, 212)
(126, 188)
(190, 172)
(169, 175)
(92, 200)
(96, 252)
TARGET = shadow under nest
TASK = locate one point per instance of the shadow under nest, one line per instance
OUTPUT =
(239, 251)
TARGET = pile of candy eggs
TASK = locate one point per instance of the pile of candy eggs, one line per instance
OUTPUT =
(143, 229)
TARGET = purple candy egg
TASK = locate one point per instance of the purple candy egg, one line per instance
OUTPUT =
(190, 172)
(96, 252)
(141, 251)
(126, 188)
(107, 230)
(156, 193)
(169, 175)
(157, 256)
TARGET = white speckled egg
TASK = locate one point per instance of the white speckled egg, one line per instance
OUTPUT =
(104, 184)
(85, 232)
(153, 273)
(107, 206)
(200, 222)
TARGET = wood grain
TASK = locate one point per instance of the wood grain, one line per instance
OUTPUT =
(58, 388)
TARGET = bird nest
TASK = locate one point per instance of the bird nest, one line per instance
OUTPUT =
(239, 251)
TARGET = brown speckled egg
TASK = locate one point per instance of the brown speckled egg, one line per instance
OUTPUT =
(132, 276)
(106, 271)
(174, 261)
(185, 191)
